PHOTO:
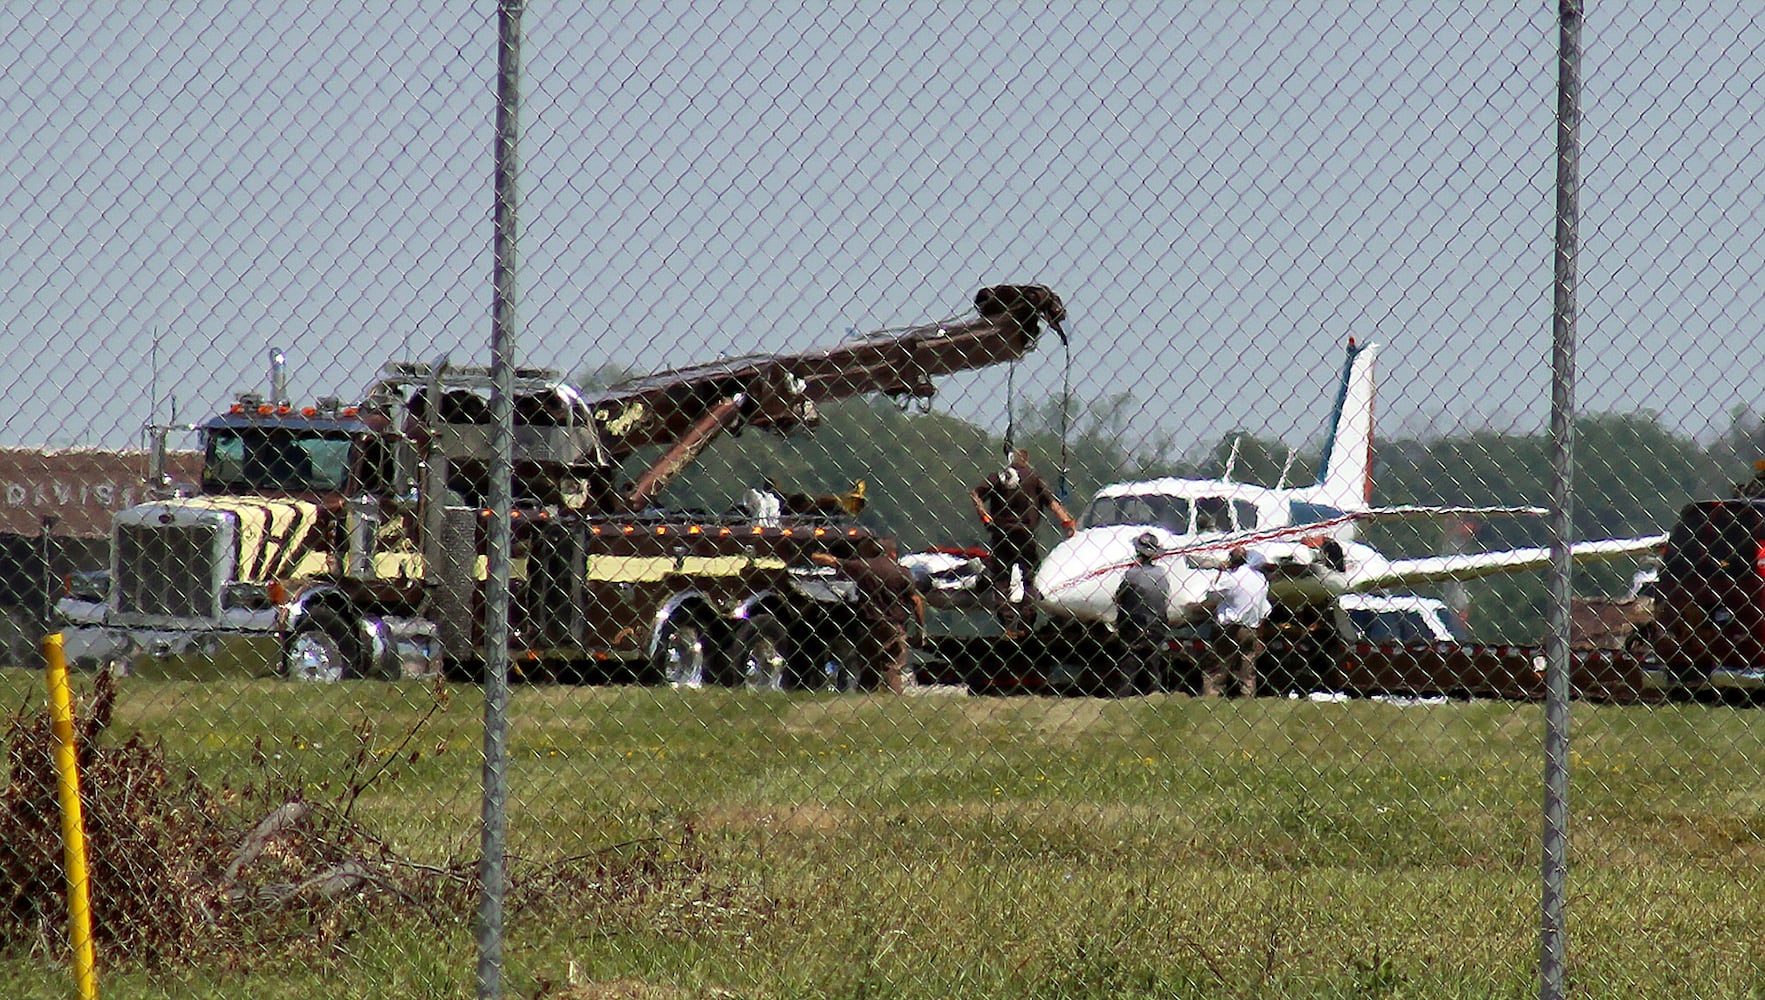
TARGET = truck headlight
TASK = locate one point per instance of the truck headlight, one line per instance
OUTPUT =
(246, 596)
(92, 586)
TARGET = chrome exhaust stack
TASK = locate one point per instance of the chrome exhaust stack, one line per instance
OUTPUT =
(278, 377)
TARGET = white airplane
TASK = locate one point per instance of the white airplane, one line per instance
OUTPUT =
(1306, 534)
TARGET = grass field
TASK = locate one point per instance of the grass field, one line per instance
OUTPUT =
(866, 846)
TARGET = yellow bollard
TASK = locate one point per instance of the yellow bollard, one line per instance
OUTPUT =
(73, 825)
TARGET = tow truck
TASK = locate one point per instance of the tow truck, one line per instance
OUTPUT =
(351, 537)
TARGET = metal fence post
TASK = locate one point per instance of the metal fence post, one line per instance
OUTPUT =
(496, 606)
(1562, 436)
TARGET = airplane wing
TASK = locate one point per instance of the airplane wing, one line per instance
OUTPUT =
(1382, 574)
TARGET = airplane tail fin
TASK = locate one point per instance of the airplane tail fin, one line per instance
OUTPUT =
(1345, 476)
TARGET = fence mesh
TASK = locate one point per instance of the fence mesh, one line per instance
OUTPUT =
(1004, 502)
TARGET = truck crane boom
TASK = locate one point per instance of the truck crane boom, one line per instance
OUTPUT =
(686, 409)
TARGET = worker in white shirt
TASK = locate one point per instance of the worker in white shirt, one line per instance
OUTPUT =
(1240, 602)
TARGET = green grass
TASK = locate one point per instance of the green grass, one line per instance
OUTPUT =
(829, 846)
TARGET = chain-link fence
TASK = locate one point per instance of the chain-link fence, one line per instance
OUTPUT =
(911, 500)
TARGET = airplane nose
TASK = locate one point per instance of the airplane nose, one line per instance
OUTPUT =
(1074, 579)
(1062, 569)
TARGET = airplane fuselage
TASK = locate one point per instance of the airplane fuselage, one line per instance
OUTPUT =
(1308, 543)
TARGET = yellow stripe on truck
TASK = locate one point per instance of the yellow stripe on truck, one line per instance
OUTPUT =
(649, 569)
(271, 532)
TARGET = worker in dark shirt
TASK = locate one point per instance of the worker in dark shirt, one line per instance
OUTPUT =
(887, 597)
(1010, 504)
(1142, 601)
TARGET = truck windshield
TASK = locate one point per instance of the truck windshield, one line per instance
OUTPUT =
(1717, 541)
(1148, 509)
(275, 459)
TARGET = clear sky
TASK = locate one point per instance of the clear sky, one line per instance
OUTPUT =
(1222, 193)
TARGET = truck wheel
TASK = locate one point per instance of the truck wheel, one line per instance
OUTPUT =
(683, 654)
(1640, 644)
(759, 654)
(322, 649)
(844, 670)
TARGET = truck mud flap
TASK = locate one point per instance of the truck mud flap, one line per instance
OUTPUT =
(454, 584)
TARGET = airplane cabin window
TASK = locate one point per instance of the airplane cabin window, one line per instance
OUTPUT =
(1310, 513)
(1246, 512)
(1212, 514)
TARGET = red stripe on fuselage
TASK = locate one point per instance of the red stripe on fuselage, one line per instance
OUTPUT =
(1228, 543)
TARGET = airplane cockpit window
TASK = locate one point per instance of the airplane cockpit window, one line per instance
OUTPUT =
(1173, 514)
(1212, 514)
(1168, 512)
(1246, 512)
(1136, 510)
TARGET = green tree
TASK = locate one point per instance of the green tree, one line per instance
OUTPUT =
(1245, 458)
(919, 467)
(1734, 457)
(1089, 445)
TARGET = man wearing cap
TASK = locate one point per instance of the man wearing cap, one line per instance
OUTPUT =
(1240, 602)
(1010, 503)
(1142, 607)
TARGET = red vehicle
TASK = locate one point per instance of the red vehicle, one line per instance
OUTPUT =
(1710, 601)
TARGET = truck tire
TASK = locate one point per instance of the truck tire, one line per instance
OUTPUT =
(322, 650)
(843, 668)
(683, 654)
(1640, 643)
(760, 654)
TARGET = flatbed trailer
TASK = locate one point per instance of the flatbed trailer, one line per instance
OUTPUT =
(1047, 662)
